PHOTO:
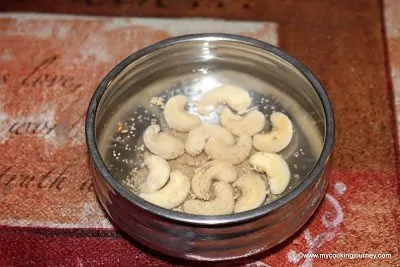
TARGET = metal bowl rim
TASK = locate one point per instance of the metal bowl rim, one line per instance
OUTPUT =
(200, 219)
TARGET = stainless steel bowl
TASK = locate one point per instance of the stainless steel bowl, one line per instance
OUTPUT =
(188, 64)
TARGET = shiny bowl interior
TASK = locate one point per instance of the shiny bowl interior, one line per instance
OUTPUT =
(192, 65)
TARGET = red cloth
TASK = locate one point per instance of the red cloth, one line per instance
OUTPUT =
(49, 68)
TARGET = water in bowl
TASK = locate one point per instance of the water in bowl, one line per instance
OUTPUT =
(121, 143)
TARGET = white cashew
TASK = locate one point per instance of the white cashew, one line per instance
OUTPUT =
(177, 117)
(250, 124)
(275, 167)
(277, 139)
(157, 176)
(172, 194)
(222, 203)
(162, 144)
(216, 169)
(234, 154)
(198, 137)
(233, 96)
(253, 192)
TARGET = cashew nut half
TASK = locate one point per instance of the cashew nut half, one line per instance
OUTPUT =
(275, 167)
(253, 192)
(250, 124)
(172, 194)
(177, 117)
(235, 97)
(216, 169)
(198, 137)
(234, 154)
(222, 203)
(162, 144)
(157, 176)
(277, 139)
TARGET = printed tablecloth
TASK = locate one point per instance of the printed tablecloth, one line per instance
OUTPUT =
(51, 64)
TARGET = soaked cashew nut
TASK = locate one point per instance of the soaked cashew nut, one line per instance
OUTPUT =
(277, 139)
(250, 124)
(253, 192)
(216, 169)
(233, 96)
(157, 175)
(222, 203)
(177, 117)
(172, 194)
(275, 167)
(234, 154)
(162, 144)
(198, 137)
